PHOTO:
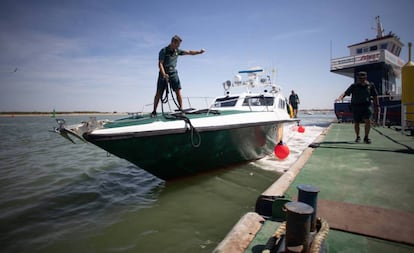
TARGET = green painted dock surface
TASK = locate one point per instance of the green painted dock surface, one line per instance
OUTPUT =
(365, 188)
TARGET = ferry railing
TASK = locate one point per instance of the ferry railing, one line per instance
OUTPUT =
(378, 56)
(384, 114)
(388, 97)
(405, 123)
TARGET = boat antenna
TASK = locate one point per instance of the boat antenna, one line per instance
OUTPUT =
(380, 30)
(273, 75)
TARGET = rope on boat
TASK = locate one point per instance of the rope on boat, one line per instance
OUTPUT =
(193, 130)
(316, 243)
(164, 98)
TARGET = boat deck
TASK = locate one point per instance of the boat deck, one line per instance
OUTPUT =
(366, 191)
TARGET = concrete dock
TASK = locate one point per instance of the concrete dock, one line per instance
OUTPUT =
(366, 193)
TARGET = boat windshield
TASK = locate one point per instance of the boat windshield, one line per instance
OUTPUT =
(258, 101)
(226, 102)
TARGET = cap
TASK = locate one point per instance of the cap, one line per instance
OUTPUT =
(362, 74)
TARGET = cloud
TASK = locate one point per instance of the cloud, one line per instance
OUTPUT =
(55, 69)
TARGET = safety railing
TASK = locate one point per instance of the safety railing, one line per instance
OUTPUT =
(406, 122)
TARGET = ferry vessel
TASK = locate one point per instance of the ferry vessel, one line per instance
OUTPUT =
(379, 57)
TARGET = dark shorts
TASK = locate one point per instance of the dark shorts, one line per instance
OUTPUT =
(173, 80)
(361, 113)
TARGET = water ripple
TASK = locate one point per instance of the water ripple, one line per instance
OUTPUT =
(50, 188)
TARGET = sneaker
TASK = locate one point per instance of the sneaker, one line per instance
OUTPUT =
(153, 114)
(367, 140)
(358, 139)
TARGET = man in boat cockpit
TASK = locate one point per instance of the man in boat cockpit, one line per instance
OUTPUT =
(167, 62)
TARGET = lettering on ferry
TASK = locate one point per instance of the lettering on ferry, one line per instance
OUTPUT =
(370, 57)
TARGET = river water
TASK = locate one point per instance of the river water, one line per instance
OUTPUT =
(61, 197)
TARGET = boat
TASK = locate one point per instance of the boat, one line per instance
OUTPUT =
(235, 128)
(379, 57)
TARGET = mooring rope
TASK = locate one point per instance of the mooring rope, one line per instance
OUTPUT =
(274, 240)
(320, 236)
(316, 243)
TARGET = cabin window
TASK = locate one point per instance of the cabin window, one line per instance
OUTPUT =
(398, 51)
(362, 50)
(258, 101)
(384, 46)
(373, 48)
(226, 102)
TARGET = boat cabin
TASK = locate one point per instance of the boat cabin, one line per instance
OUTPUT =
(259, 94)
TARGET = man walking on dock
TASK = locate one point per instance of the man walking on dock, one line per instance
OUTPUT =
(363, 92)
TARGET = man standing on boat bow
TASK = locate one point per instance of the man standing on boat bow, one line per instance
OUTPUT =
(362, 93)
(167, 62)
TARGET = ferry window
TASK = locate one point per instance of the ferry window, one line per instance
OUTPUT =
(365, 49)
(359, 50)
(384, 46)
(258, 101)
(226, 102)
(398, 51)
(373, 48)
(393, 48)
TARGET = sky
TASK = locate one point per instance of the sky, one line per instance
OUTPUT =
(102, 55)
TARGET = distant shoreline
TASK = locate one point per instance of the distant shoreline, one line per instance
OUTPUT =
(58, 114)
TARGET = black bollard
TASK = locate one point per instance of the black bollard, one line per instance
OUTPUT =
(297, 226)
(308, 194)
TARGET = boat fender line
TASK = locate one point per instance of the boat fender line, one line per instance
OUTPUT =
(315, 245)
